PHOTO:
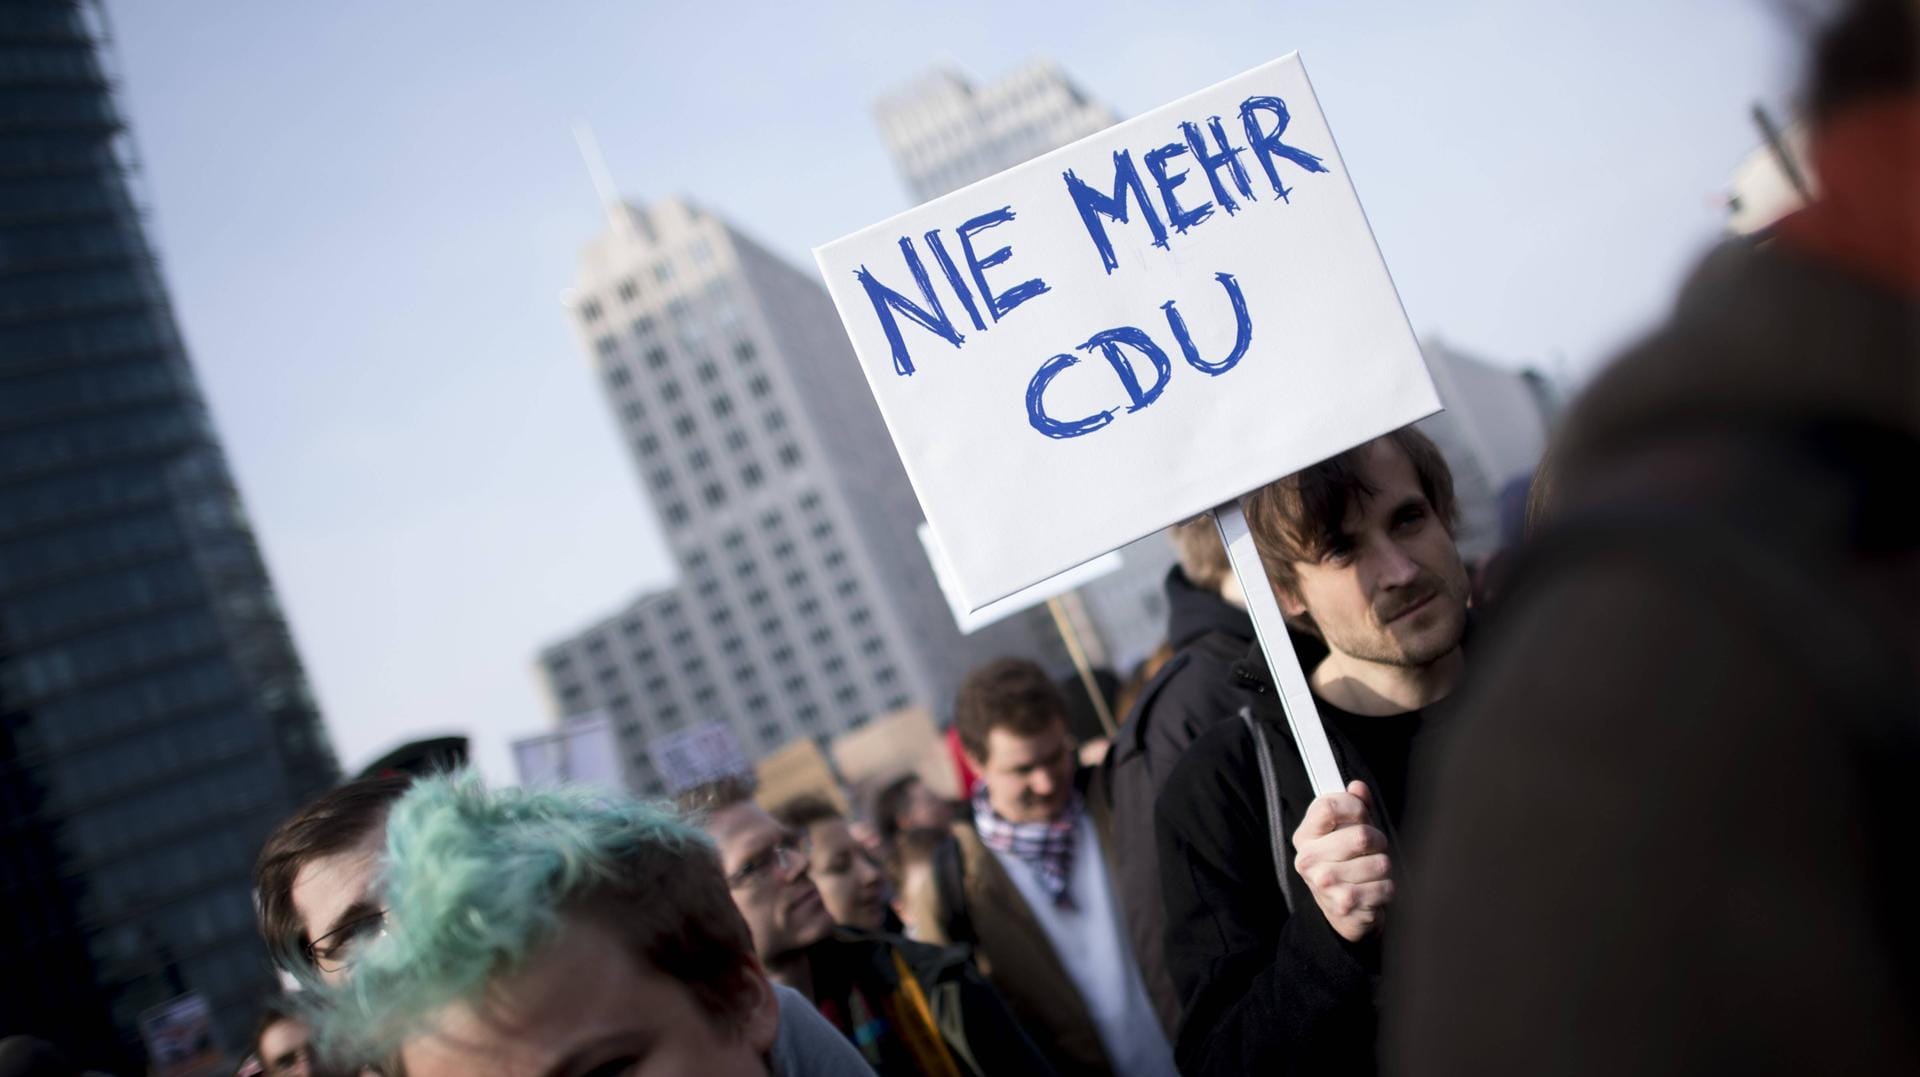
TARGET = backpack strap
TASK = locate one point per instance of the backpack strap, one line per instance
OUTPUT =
(1270, 795)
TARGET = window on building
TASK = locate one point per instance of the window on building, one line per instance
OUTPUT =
(885, 676)
(670, 390)
(656, 357)
(714, 495)
(722, 405)
(751, 475)
(698, 460)
(662, 272)
(859, 616)
(808, 714)
(647, 444)
(846, 695)
(634, 412)
(683, 425)
(834, 665)
(776, 421)
(790, 455)
(675, 512)
(607, 346)
(809, 502)
(706, 372)
(733, 540)
(643, 327)
(628, 289)
(846, 588)
(769, 733)
(872, 645)
(590, 311)
(759, 386)
(663, 478)
(736, 438)
(743, 351)
(795, 685)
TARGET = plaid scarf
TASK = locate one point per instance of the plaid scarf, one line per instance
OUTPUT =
(1047, 848)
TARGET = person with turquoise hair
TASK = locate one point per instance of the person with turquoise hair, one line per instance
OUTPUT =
(564, 932)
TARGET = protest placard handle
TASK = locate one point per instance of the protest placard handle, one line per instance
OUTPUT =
(1289, 680)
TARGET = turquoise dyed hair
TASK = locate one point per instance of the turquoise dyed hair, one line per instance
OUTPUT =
(475, 881)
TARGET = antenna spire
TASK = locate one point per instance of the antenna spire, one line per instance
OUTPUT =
(602, 180)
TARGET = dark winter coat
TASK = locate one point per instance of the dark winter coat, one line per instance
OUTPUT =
(1194, 690)
(1674, 831)
(1263, 989)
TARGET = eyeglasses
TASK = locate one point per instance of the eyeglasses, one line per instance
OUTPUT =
(785, 860)
(333, 952)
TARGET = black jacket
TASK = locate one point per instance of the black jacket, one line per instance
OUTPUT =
(1674, 831)
(1262, 990)
(1191, 692)
(1195, 690)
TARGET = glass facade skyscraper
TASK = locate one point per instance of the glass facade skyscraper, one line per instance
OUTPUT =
(154, 720)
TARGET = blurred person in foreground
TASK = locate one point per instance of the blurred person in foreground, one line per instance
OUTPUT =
(318, 887)
(852, 884)
(1276, 951)
(1209, 631)
(558, 931)
(1028, 880)
(910, 1008)
(1675, 832)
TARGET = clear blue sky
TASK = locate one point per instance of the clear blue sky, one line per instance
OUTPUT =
(367, 213)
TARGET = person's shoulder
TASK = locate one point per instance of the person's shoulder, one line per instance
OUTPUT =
(930, 962)
(1219, 764)
(807, 1045)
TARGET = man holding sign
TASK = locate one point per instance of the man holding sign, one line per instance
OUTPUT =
(1275, 952)
(1142, 327)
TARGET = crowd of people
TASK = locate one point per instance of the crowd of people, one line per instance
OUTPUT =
(1645, 814)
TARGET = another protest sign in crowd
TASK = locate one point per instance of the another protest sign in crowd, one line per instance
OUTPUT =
(1648, 814)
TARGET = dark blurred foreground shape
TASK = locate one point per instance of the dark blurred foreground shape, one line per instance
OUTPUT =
(154, 720)
(1676, 831)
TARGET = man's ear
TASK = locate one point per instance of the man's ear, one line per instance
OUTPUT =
(1291, 603)
(761, 1026)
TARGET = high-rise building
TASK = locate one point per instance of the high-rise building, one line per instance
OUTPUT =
(805, 604)
(944, 132)
(154, 721)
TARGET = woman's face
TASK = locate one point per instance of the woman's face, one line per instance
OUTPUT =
(850, 880)
(585, 1006)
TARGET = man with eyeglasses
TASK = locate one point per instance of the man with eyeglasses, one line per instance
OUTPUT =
(910, 1008)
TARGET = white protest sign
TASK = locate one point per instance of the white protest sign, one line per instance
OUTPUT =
(1128, 331)
(969, 620)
